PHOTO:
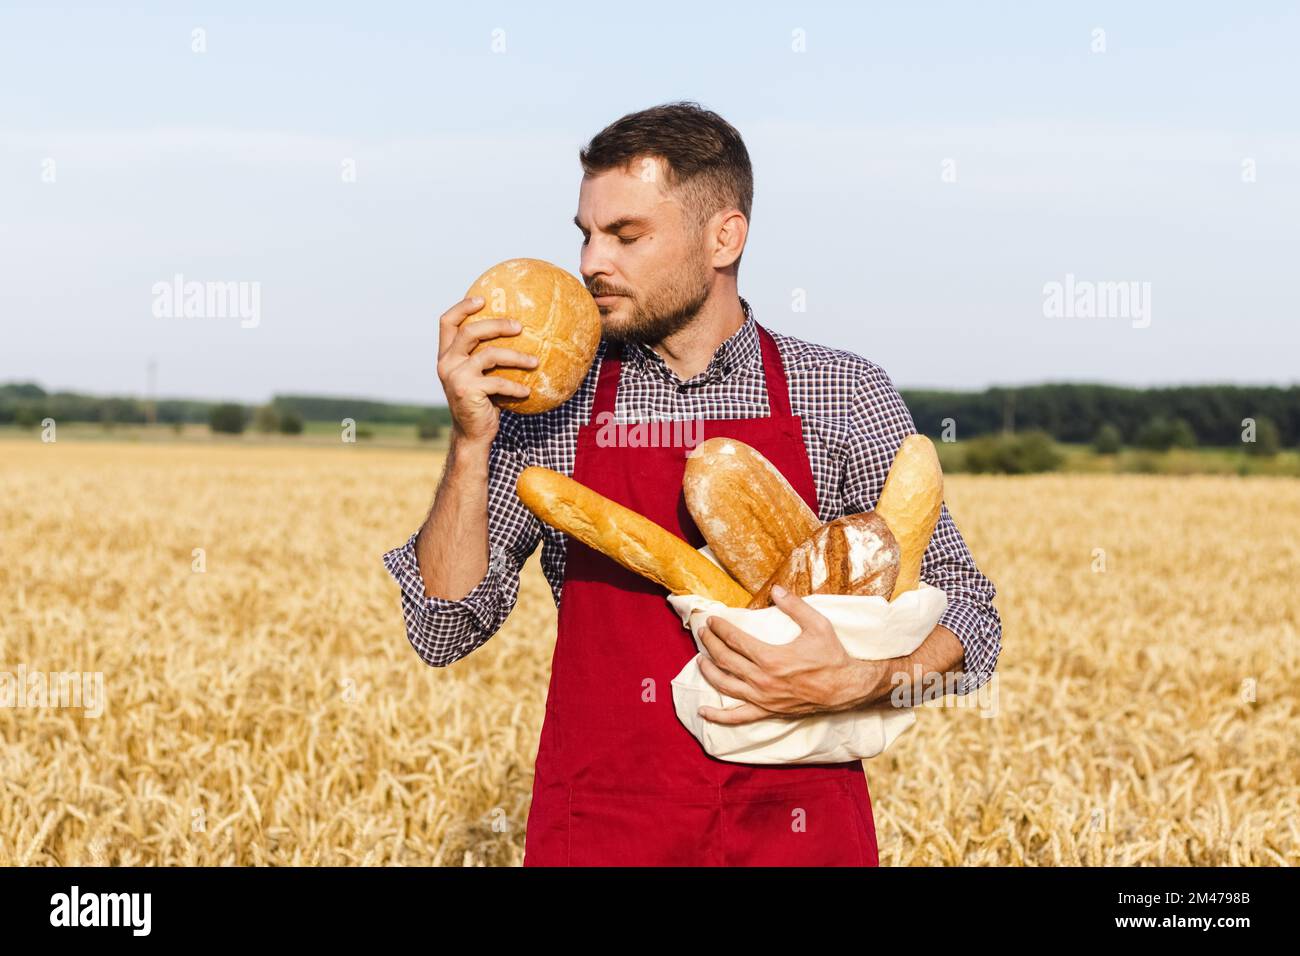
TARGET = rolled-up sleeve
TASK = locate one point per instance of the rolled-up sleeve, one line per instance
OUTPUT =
(442, 630)
(880, 421)
(948, 565)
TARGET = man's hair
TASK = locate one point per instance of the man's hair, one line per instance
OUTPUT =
(707, 163)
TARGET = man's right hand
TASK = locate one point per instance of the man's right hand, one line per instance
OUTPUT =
(464, 377)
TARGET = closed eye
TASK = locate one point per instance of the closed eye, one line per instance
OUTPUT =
(624, 240)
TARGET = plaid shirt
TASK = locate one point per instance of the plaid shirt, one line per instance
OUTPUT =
(853, 422)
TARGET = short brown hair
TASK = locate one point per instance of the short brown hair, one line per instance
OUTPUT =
(707, 163)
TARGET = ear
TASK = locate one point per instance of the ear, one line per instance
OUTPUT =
(729, 230)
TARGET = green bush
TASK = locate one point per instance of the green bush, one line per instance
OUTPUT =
(266, 418)
(28, 416)
(290, 423)
(1018, 454)
(1108, 440)
(428, 428)
(1143, 463)
(1268, 441)
(1161, 434)
(227, 417)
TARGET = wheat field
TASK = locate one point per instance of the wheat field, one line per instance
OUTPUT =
(269, 710)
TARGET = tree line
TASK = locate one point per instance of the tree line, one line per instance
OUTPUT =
(27, 404)
(1104, 415)
(1083, 413)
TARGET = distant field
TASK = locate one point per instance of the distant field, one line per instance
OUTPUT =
(1182, 461)
(382, 434)
(1081, 458)
(269, 709)
(1078, 458)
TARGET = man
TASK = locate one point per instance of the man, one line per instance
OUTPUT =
(664, 209)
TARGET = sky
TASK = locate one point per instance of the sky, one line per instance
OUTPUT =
(940, 188)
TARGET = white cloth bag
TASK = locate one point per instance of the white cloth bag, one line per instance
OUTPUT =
(870, 628)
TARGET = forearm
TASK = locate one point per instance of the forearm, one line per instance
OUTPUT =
(940, 653)
(472, 545)
(452, 545)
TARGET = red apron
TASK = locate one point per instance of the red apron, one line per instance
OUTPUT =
(619, 780)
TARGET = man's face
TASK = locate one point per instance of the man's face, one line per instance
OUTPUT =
(641, 250)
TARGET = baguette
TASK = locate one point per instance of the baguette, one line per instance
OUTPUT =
(748, 513)
(910, 503)
(856, 554)
(634, 541)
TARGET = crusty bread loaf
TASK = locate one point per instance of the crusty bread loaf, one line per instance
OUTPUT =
(910, 503)
(748, 513)
(856, 554)
(561, 326)
(632, 540)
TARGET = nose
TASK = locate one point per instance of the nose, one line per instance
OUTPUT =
(593, 263)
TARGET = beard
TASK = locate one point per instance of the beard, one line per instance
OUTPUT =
(664, 311)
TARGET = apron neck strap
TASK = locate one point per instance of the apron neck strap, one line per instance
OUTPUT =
(778, 392)
(607, 384)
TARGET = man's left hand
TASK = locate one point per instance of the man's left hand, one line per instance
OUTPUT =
(812, 674)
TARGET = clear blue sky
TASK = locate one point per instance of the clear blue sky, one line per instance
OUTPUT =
(1124, 165)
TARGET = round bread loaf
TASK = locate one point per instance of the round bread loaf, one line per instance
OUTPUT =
(561, 326)
(856, 554)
